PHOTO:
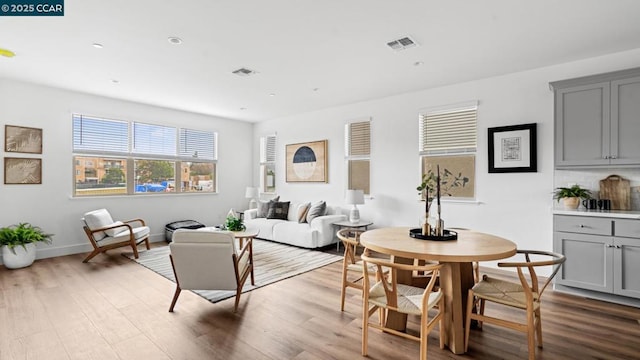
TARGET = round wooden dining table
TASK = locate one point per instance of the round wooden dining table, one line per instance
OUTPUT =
(456, 276)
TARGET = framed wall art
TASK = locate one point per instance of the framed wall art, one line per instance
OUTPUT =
(307, 162)
(22, 139)
(22, 171)
(513, 149)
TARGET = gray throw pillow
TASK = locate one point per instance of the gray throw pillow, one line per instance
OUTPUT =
(316, 209)
(263, 207)
(278, 210)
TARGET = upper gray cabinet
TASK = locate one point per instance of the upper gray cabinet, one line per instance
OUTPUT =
(597, 120)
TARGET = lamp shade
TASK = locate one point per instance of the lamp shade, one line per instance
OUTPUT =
(355, 197)
(251, 193)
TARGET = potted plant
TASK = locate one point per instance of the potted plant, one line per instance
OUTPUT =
(18, 244)
(234, 224)
(571, 195)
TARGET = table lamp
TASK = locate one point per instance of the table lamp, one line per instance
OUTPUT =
(354, 197)
(252, 193)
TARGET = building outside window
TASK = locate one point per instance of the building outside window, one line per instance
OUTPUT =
(268, 164)
(124, 158)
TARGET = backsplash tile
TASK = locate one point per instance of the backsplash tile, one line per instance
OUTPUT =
(590, 179)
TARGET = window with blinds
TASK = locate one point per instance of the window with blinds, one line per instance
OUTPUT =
(357, 154)
(448, 141)
(116, 157)
(447, 131)
(268, 164)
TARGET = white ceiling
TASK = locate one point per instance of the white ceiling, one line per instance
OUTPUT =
(335, 46)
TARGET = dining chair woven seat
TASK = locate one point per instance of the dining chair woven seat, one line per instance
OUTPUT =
(409, 298)
(524, 294)
(503, 292)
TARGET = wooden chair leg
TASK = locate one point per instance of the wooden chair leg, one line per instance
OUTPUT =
(441, 323)
(146, 242)
(538, 320)
(238, 292)
(92, 255)
(344, 283)
(365, 328)
(467, 326)
(175, 298)
(135, 250)
(423, 337)
(531, 333)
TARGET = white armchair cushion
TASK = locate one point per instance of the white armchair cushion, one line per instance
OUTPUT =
(139, 233)
(98, 219)
(115, 230)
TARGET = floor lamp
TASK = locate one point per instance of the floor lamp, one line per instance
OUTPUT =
(354, 197)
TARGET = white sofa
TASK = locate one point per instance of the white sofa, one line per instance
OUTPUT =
(320, 232)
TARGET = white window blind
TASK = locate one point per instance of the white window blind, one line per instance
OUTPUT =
(358, 139)
(268, 149)
(197, 144)
(100, 135)
(153, 139)
(448, 131)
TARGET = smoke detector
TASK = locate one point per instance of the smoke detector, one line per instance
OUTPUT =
(244, 72)
(402, 43)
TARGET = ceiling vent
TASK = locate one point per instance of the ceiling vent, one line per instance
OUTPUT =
(402, 43)
(244, 72)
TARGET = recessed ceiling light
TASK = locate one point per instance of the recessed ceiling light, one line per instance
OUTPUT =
(272, 94)
(243, 108)
(7, 53)
(418, 63)
(316, 89)
(97, 45)
(174, 40)
(115, 81)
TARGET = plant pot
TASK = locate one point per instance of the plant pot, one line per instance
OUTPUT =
(18, 257)
(571, 202)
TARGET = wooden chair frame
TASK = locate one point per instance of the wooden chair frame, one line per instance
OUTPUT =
(241, 276)
(532, 295)
(351, 240)
(131, 241)
(391, 292)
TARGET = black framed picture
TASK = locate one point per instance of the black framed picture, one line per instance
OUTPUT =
(513, 149)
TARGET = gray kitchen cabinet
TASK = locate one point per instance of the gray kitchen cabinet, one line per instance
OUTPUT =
(597, 119)
(603, 256)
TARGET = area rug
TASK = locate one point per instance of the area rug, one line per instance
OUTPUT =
(273, 262)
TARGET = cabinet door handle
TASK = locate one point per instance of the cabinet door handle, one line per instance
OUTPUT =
(613, 157)
(607, 157)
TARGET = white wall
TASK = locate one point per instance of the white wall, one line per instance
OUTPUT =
(516, 206)
(51, 205)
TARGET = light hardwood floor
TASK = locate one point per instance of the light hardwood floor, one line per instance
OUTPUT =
(112, 308)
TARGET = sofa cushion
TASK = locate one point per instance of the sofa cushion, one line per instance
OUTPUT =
(316, 209)
(263, 207)
(301, 212)
(278, 210)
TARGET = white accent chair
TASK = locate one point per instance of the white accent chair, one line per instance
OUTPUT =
(209, 260)
(105, 234)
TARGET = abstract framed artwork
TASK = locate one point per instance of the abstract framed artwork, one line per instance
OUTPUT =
(307, 162)
(22, 171)
(513, 149)
(22, 139)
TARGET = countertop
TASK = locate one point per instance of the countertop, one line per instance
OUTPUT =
(620, 214)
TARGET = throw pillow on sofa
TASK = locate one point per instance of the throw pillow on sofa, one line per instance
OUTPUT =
(278, 210)
(316, 209)
(263, 207)
(301, 212)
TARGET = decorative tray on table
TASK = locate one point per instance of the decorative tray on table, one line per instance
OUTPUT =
(446, 235)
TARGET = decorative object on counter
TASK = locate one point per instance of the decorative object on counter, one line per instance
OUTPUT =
(590, 204)
(616, 189)
(18, 244)
(604, 204)
(571, 195)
